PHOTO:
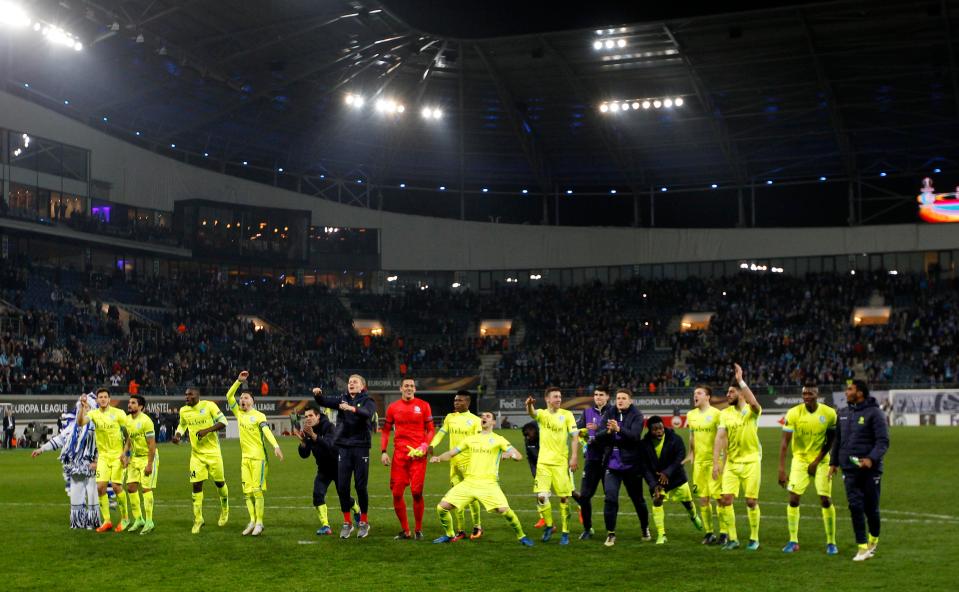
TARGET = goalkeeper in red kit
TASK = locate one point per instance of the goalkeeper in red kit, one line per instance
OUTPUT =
(413, 421)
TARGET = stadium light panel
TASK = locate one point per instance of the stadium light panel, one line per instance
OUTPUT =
(609, 44)
(136, 133)
(882, 174)
(105, 118)
(646, 104)
(769, 182)
(26, 85)
(597, 45)
(569, 192)
(206, 155)
(668, 103)
(822, 178)
(604, 108)
(485, 190)
(172, 145)
(245, 163)
(279, 170)
(612, 192)
(13, 16)
(635, 105)
(678, 102)
(455, 285)
(442, 187)
(937, 170)
(714, 185)
(664, 189)
(402, 185)
(621, 43)
(657, 103)
(525, 191)
(66, 102)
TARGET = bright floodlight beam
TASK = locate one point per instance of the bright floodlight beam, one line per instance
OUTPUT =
(678, 102)
(14, 16)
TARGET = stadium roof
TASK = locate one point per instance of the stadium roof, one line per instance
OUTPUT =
(839, 90)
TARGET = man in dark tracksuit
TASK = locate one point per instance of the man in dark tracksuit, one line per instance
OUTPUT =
(663, 454)
(862, 440)
(316, 439)
(589, 423)
(619, 434)
(531, 439)
(354, 426)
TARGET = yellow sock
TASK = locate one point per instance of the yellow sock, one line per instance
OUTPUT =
(792, 521)
(322, 512)
(105, 507)
(730, 521)
(251, 508)
(475, 514)
(148, 505)
(514, 523)
(829, 522)
(564, 517)
(706, 512)
(659, 519)
(258, 504)
(135, 505)
(122, 504)
(460, 515)
(446, 520)
(224, 493)
(198, 506)
(545, 512)
(753, 515)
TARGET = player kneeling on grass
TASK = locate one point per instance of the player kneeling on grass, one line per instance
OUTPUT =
(481, 480)
(253, 463)
(663, 470)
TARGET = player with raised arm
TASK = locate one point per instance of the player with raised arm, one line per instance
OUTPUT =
(702, 421)
(253, 459)
(202, 420)
(557, 459)
(811, 428)
(110, 424)
(460, 425)
(738, 437)
(481, 479)
(413, 421)
(355, 422)
(142, 463)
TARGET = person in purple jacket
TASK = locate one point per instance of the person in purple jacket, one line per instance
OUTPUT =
(620, 434)
(589, 423)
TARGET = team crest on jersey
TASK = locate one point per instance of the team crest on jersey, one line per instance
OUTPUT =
(252, 419)
(822, 419)
(416, 409)
(202, 411)
(709, 418)
(492, 440)
(469, 422)
(138, 425)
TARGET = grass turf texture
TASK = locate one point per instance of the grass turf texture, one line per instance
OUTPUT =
(920, 530)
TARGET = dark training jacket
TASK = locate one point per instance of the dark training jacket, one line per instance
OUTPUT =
(669, 462)
(861, 432)
(322, 449)
(353, 430)
(630, 435)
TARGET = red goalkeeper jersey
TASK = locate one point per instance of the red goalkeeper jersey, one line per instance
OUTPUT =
(413, 421)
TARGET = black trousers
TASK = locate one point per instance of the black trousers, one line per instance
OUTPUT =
(592, 476)
(634, 488)
(862, 493)
(354, 463)
(321, 484)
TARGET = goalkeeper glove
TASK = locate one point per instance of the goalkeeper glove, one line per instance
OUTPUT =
(418, 452)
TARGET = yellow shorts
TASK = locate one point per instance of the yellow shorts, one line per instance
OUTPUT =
(488, 493)
(109, 468)
(136, 474)
(457, 470)
(555, 477)
(703, 483)
(681, 494)
(799, 477)
(206, 467)
(253, 474)
(742, 475)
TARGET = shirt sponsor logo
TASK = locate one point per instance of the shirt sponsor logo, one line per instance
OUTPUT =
(862, 420)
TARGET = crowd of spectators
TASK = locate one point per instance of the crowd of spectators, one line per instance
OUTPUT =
(203, 331)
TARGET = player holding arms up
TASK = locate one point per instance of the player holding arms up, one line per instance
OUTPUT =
(253, 460)
(557, 460)
(203, 419)
(738, 436)
(459, 425)
(413, 421)
(481, 482)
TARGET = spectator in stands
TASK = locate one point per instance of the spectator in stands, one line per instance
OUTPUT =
(9, 427)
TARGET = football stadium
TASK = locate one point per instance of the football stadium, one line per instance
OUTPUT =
(478, 295)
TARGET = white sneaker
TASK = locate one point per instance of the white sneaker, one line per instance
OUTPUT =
(863, 555)
(249, 528)
(257, 530)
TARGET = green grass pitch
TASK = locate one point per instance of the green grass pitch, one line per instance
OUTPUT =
(40, 552)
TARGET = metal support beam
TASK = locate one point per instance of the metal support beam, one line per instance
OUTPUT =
(835, 115)
(461, 118)
(585, 95)
(730, 152)
(534, 157)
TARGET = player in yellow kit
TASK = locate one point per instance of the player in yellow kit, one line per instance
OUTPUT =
(203, 419)
(738, 437)
(459, 425)
(253, 463)
(702, 421)
(811, 428)
(142, 463)
(111, 424)
(481, 479)
(557, 459)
